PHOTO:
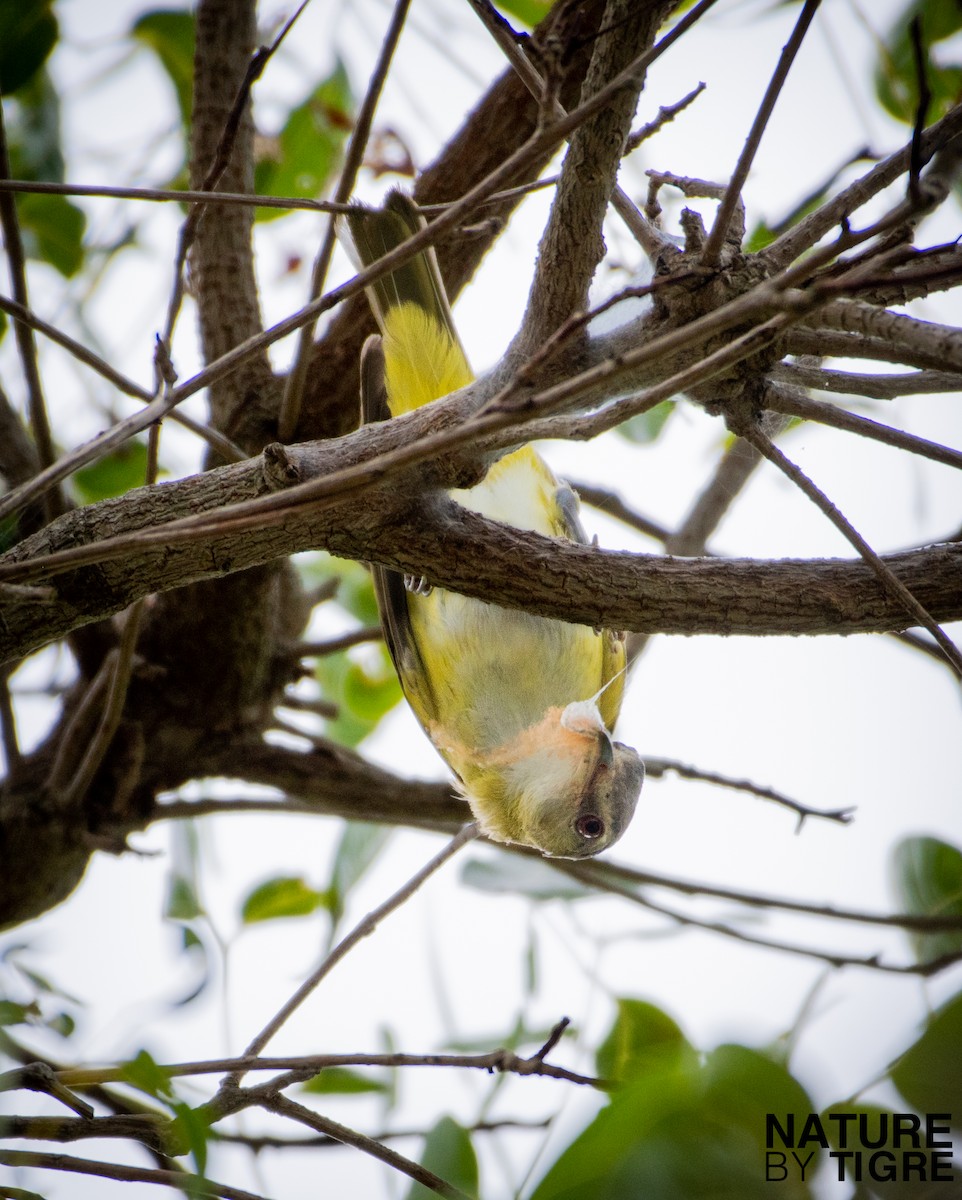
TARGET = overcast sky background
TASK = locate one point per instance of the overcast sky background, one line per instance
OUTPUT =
(833, 722)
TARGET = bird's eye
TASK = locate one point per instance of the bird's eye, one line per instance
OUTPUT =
(589, 826)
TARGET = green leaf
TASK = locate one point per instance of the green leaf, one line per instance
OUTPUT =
(304, 156)
(28, 32)
(285, 896)
(363, 688)
(12, 1013)
(370, 692)
(642, 1038)
(33, 132)
(355, 588)
(928, 1073)
(645, 427)
(192, 1128)
(683, 1131)
(53, 231)
(359, 846)
(528, 12)
(182, 902)
(171, 34)
(143, 1073)
(531, 877)
(449, 1154)
(113, 475)
(342, 1081)
(928, 883)
(61, 1023)
(896, 82)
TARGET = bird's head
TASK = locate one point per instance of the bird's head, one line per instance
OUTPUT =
(564, 787)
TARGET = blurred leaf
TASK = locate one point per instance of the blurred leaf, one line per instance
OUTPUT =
(143, 1073)
(182, 902)
(191, 1128)
(928, 883)
(113, 475)
(33, 132)
(170, 34)
(370, 693)
(449, 1154)
(531, 877)
(364, 686)
(867, 1129)
(342, 1081)
(642, 1037)
(12, 1013)
(285, 896)
(303, 158)
(645, 427)
(61, 1023)
(53, 230)
(896, 82)
(28, 32)
(359, 846)
(355, 590)
(764, 234)
(528, 12)
(928, 1074)
(684, 1132)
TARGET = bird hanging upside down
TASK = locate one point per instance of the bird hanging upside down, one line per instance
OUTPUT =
(521, 707)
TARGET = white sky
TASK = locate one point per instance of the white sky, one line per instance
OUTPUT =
(857, 721)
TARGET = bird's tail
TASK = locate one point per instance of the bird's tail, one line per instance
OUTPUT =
(423, 356)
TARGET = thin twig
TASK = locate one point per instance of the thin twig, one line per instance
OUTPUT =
(167, 195)
(601, 870)
(872, 961)
(666, 114)
(792, 244)
(356, 637)
(39, 1077)
(8, 727)
(663, 766)
(290, 410)
(723, 218)
(312, 704)
(809, 409)
(218, 167)
(285, 1107)
(258, 1142)
(26, 347)
(921, 108)
(27, 316)
(194, 1185)
(892, 584)
(121, 666)
(363, 929)
(300, 1067)
(612, 505)
(873, 387)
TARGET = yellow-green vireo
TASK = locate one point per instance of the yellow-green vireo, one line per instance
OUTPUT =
(521, 707)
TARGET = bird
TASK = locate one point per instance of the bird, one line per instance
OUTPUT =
(521, 707)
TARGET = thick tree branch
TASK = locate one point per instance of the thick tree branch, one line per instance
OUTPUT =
(459, 550)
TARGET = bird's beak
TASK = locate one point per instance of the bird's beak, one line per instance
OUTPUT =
(606, 749)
